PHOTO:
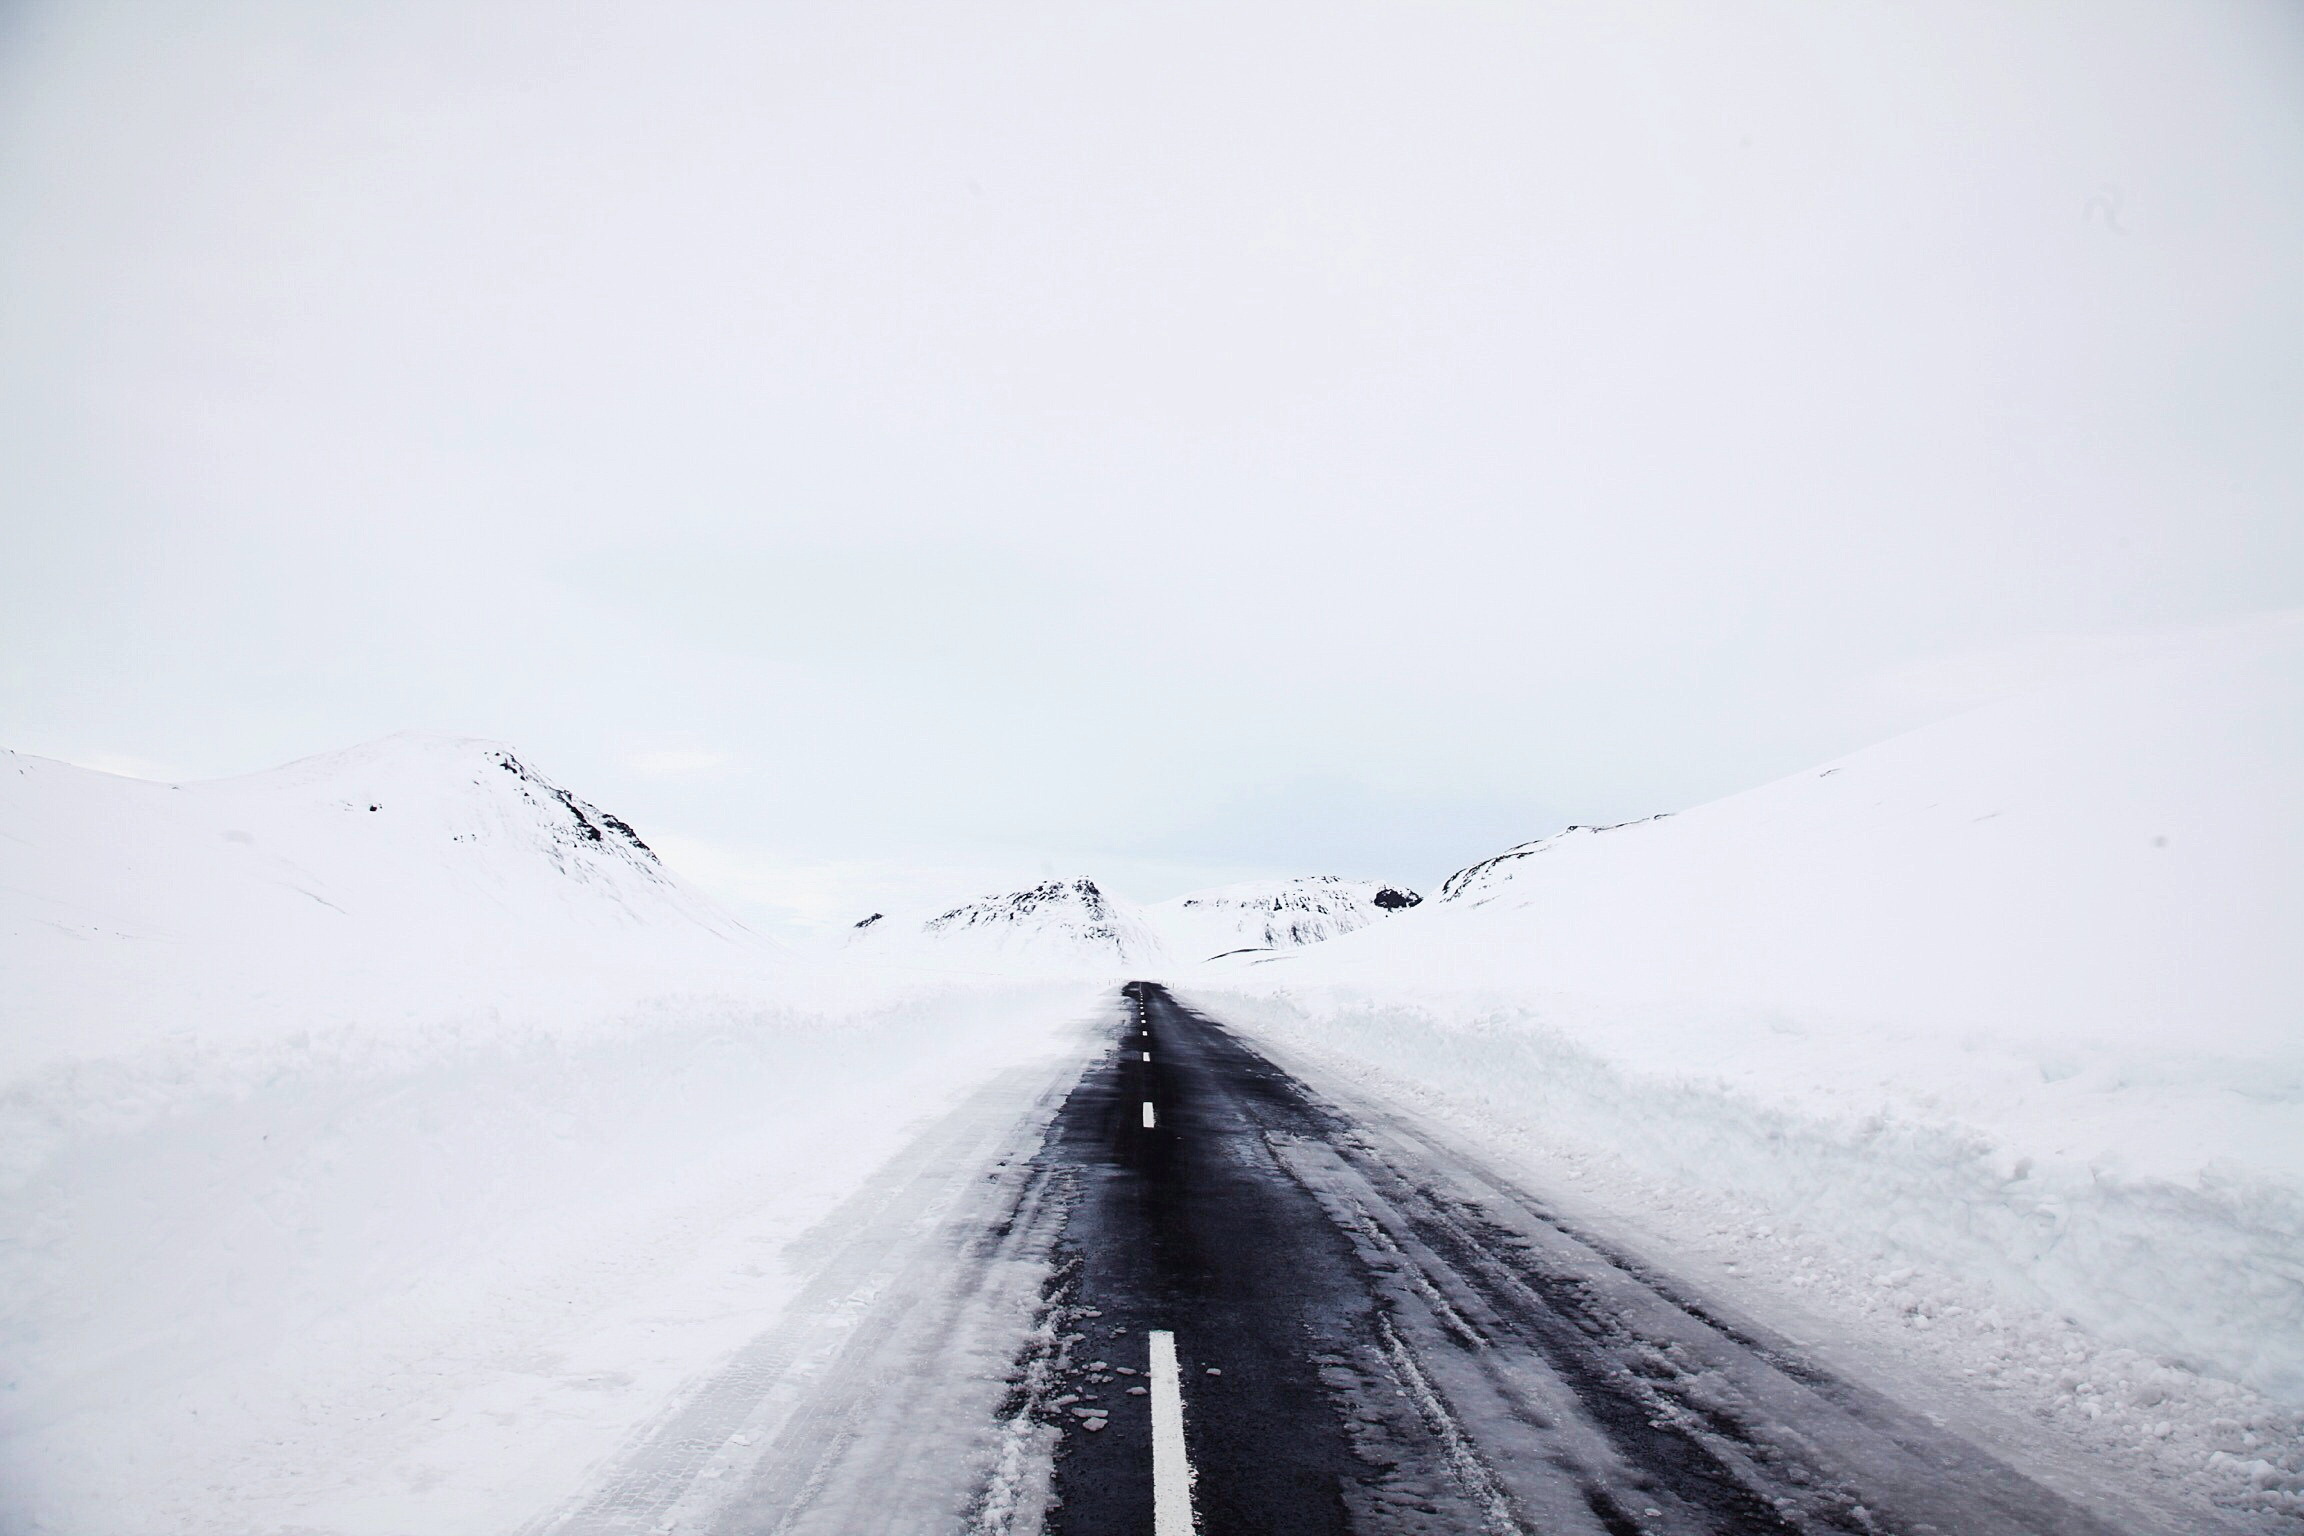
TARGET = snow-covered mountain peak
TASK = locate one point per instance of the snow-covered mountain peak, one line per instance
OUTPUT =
(1274, 914)
(1074, 924)
(472, 790)
(421, 856)
(1060, 925)
(1050, 902)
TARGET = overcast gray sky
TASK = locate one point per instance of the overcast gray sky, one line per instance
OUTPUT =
(878, 447)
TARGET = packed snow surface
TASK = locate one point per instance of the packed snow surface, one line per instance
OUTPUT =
(2003, 1018)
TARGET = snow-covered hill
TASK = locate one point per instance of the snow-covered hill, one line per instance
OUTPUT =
(413, 828)
(1272, 914)
(2112, 868)
(1055, 927)
(1074, 927)
(2009, 1010)
(386, 1137)
(361, 880)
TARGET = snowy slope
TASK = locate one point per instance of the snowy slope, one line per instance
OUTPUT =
(1273, 914)
(413, 864)
(1056, 927)
(416, 828)
(2110, 869)
(385, 1137)
(2011, 1007)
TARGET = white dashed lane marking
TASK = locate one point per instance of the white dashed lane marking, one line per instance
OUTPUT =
(1150, 1120)
(1171, 1467)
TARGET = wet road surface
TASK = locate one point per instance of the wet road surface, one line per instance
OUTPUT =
(1374, 1338)
(1357, 1328)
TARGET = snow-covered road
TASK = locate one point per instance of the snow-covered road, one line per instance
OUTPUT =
(1373, 1334)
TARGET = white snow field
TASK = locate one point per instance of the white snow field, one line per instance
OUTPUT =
(1982, 1049)
(385, 1139)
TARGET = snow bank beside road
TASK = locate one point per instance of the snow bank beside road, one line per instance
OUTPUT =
(377, 1170)
(425, 1292)
(2014, 1001)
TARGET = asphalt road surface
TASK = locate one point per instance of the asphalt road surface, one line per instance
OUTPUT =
(1372, 1340)
(1183, 1293)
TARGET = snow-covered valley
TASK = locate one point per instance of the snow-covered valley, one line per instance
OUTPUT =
(931, 770)
(389, 1137)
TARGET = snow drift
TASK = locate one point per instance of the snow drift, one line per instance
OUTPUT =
(2015, 1001)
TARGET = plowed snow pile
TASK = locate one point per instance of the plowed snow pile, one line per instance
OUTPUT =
(1993, 1032)
(382, 1138)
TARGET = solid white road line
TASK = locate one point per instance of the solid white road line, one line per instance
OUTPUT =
(1171, 1467)
(1150, 1120)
